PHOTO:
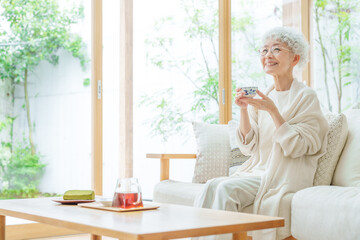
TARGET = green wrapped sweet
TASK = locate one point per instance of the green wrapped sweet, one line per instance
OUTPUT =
(79, 195)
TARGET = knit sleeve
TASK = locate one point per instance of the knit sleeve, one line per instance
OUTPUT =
(304, 133)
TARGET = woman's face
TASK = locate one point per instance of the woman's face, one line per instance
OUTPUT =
(276, 58)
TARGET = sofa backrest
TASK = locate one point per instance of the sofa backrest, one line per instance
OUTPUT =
(347, 172)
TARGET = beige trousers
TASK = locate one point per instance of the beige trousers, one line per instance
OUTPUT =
(227, 193)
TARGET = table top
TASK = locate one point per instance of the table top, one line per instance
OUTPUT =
(168, 221)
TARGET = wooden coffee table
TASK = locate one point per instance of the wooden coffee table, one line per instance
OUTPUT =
(167, 222)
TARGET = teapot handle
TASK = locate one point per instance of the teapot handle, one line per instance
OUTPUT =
(139, 195)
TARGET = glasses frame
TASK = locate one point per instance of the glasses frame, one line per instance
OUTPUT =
(273, 50)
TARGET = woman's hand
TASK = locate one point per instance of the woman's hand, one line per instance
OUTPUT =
(265, 103)
(239, 98)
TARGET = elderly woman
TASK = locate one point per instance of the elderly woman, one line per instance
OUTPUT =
(285, 133)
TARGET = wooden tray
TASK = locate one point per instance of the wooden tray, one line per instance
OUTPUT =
(98, 205)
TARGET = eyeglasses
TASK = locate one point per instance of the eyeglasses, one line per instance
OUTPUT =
(275, 50)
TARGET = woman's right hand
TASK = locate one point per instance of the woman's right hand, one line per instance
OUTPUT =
(239, 96)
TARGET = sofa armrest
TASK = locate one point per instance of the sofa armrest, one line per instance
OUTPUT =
(326, 212)
(165, 163)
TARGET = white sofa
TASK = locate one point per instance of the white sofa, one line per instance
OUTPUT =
(329, 212)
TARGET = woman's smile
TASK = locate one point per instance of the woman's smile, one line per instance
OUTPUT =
(270, 63)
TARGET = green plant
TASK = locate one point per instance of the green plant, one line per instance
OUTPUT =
(201, 23)
(31, 31)
(34, 31)
(199, 67)
(5, 146)
(20, 170)
(334, 28)
(24, 169)
(24, 193)
(19, 193)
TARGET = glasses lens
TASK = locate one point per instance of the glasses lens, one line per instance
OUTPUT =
(263, 51)
(275, 51)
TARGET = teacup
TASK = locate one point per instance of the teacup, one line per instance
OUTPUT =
(249, 91)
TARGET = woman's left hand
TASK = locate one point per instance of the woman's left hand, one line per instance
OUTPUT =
(265, 103)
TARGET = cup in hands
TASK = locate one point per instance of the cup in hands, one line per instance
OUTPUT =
(249, 91)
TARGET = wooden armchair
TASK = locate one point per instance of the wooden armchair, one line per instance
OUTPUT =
(165, 162)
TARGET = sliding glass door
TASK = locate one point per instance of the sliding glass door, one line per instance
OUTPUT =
(175, 81)
(45, 121)
(336, 50)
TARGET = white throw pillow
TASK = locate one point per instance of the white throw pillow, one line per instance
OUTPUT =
(338, 131)
(213, 151)
(347, 172)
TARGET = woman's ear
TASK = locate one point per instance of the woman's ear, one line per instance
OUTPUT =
(295, 60)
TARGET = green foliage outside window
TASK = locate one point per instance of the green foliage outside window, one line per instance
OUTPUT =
(31, 31)
(337, 36)
(20, 170)
(201, 67)
(24, 169)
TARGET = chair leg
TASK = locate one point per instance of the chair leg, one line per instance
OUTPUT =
(95, 237)
(2, 227)
(240, 236)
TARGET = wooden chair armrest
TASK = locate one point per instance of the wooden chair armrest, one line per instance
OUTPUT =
(165, 161)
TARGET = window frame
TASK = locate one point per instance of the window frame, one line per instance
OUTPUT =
(96, 97)
(290, 18)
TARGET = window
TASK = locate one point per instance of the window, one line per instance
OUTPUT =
(251, 19)
(336, 54)
(45, 73)
(175, 81)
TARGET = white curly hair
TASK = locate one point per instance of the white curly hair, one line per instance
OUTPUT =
(295, 40)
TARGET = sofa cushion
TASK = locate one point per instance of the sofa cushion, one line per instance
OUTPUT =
(326, 212)
(182, 193)
(338, 131)
(347, 171)
(213, 151)
(237, 158)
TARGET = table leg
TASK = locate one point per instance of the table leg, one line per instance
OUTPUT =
(240, 236)
(95, 237)
(2, 227)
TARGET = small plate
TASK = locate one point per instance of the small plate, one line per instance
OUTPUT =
(76, 201)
